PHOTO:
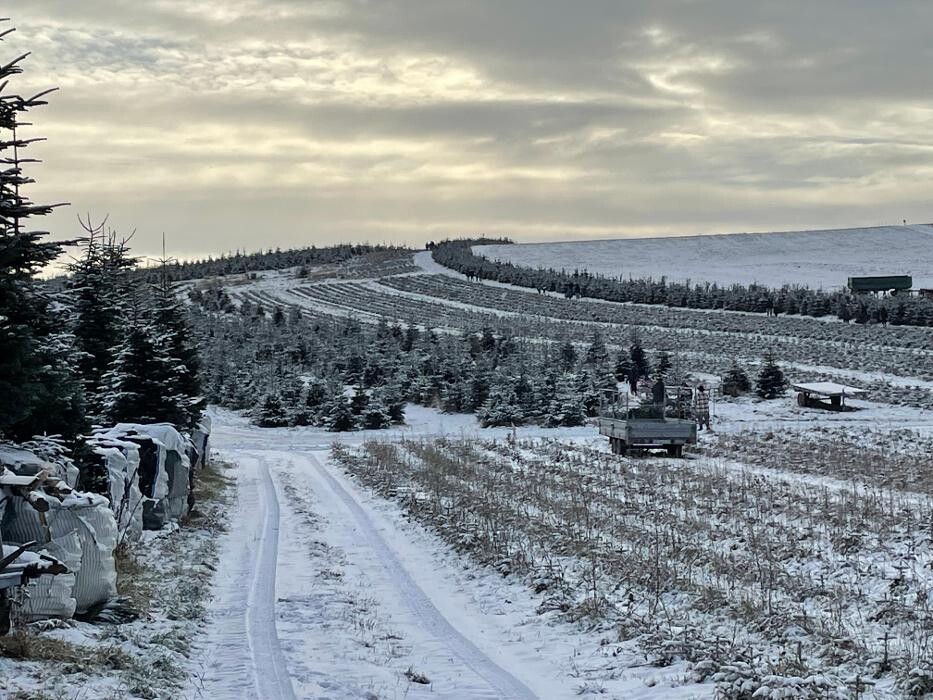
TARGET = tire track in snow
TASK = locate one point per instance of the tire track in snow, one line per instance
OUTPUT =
(243, 658)
(431, 619)
(272, 678)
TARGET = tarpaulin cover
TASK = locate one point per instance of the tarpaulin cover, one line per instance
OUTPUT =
(121, 462)
(22, 461)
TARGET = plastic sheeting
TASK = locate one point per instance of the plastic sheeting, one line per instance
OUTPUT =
(26, 463)
(90, 518)
(120, 460)
(200, 436)
(53, 596)
(171, 484)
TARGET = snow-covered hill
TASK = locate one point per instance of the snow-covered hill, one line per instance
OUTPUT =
(813, 258)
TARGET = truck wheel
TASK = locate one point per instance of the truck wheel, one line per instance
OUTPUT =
(675, 450)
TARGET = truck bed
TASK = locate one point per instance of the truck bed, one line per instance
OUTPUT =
(637, 432)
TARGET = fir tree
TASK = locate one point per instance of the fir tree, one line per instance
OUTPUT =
(137, 388)
(169, 322)
(567, 409)
(500, 408)
(624, 367)
(359, 401)
(271, 413)
(596, 356)
(639, 358)
(662, 364)
(589, 392)
(567, 356)
(336, 415)
(736, 381)
(375, 415)
(39, 392)
(771, 382)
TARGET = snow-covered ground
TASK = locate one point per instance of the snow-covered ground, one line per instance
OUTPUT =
(327, 590)
(367, 603)
(813, 258)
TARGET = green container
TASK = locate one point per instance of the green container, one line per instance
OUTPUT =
(887, 283)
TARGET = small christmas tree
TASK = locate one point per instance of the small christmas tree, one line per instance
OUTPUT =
(271, 413)
(736, 381)
(771, 382)
(337, 416)
(662, 364)
(623, 367)
(500, 408)
(139, 385)
(376, 415)
(567, 407)
(639, 358)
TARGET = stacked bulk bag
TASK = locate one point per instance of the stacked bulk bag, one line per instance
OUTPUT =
(53, 515)
(200, 436)
(52, 595)
(17, 567)
(164, 468)
(117, 466)
(25, 462)
(69, 525)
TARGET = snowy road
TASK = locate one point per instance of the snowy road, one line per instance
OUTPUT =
(272, 625)
(243, 657)
(325, 590)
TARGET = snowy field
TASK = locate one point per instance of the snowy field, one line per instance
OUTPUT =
(812, 258)
(342, 579)
(788, 556)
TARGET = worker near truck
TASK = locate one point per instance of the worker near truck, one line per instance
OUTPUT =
(658, 392)
(701, 407)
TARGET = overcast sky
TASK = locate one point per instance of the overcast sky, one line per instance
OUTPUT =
(256, 123)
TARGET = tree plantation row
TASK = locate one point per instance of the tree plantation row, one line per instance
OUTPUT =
(900, 310)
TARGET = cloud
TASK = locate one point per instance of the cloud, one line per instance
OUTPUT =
(249, 123)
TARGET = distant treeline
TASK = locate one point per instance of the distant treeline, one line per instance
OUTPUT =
(243, 263)
(897, 310)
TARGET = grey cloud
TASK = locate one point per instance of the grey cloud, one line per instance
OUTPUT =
(404, 118)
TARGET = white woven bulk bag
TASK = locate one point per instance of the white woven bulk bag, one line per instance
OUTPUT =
(89, 516)
(53, 596)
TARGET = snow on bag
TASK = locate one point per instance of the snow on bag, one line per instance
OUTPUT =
(163, 469)
(87, 515)
(26, 463)
(119, 465)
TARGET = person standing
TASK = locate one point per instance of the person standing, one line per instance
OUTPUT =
(659, 393)
(701, 407)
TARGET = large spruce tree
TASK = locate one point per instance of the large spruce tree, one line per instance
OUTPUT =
(39, 392)
(138, 387)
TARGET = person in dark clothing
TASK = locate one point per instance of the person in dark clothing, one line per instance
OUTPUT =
(658, 392)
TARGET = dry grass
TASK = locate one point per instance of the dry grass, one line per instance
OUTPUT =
(25, 645)
(211, 486)
(132, 581)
